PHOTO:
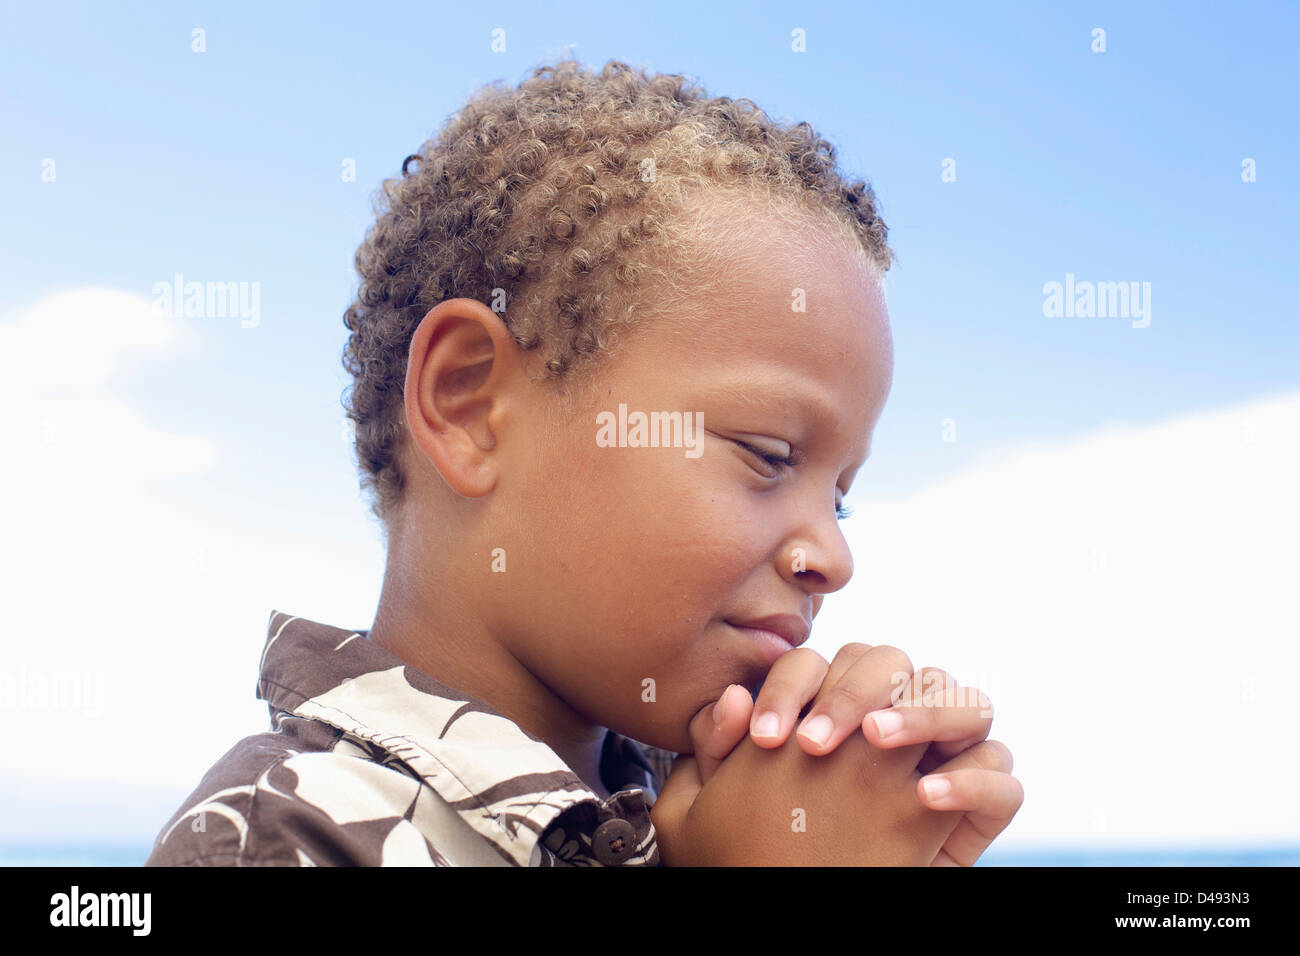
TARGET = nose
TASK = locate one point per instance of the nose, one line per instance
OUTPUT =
(819, 562)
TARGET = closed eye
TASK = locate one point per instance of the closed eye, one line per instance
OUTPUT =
(776, 461)
(792, 460)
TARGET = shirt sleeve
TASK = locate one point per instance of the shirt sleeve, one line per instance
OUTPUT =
(268, 806)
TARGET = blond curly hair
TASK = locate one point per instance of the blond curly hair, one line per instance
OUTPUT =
(563, 205)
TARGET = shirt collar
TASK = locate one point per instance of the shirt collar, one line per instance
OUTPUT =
(505, 784)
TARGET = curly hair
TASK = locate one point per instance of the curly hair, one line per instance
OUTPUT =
(563, 205)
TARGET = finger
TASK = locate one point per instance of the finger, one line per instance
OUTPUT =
(936, 687)
(717, 728)
(844, 658)
(930, 684)
(985, 755)
(990, 798)
(790, 684)
(981, 793)
(668, 813)
(955, 718)
(869, 682)
(926, 682)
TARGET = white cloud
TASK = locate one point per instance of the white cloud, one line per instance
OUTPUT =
(74, 340)
(1128, 600)
(132, 625)
(81, 442)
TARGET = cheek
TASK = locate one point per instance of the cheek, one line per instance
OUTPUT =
(635, 527)
(683, 540)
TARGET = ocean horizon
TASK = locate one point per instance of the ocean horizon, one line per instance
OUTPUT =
(13, 855)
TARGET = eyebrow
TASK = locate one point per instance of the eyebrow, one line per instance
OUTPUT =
(773, 393)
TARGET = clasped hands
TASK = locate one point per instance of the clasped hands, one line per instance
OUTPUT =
(888, 767)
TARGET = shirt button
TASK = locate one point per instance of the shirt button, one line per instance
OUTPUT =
(613, 841)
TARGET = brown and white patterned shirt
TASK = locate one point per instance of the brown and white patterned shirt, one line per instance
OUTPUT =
(370, 762)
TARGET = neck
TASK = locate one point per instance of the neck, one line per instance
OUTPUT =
(446, 640)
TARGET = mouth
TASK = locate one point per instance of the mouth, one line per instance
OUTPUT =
(790, 628)
(771, 644)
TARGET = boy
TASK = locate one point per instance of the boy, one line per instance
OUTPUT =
(567, 603)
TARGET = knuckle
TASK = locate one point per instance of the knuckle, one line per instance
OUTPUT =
(896, 654)
(933, 677)
(793, 671)
(901, 678)
(998, 756)
(793, 667)
(851, 652)
(935, 688)
(845, 697)
(806, 656)
(789, 662)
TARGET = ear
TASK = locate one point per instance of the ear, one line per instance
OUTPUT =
(460, 359)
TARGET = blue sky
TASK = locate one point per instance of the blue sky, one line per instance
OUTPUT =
(1114, 166)
(225, 166)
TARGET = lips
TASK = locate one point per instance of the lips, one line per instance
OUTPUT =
(791, 628)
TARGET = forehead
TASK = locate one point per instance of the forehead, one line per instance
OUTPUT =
(788, 306)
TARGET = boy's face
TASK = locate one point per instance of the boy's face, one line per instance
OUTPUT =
(626, 563)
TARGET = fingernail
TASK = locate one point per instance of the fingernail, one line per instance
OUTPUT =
(888, 722)
(936, 788)
(720, 708)
(818, 729)
(768, 725)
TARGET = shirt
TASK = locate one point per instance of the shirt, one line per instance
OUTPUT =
(371, 762)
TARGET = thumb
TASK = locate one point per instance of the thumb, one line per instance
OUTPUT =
(672, 806)
(712, 741)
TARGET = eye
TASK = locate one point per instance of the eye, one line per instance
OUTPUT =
(777, 462)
